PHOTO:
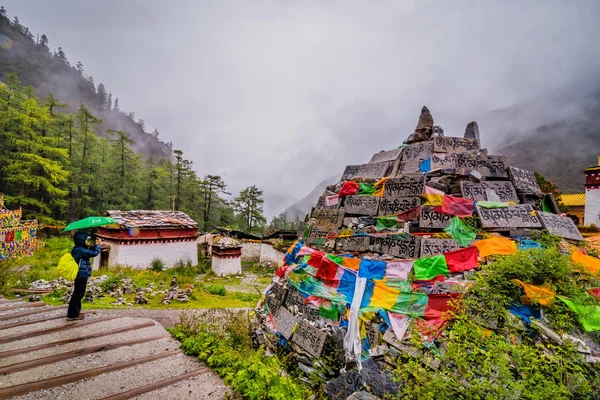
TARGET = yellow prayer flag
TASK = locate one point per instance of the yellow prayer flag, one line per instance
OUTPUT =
(495, 245)
(383, 296)
(537, 294)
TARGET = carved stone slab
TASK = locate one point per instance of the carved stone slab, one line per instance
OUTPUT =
(285, 322)
(352, 244)
(524, 180)
(329, 219)
(350, 172)
(448, 144)
(560, 226)
(361, 205)
(515, 216)
(384, 156)
(477, 190)
(434, 247)
(395, 205)
(417, 151)
(487, 166)
(376, 171)
(432, 219)
(309, 338)
(404, 186)
(322, 206)
(409, 247)
(276, 297)
(444, 160)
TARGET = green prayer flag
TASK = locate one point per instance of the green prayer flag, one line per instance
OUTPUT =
(366, 189)
(589, 315)
(546, 207)
(335, 259)
(492, 204)
(386, 223)
(461, 232)
(430, 267)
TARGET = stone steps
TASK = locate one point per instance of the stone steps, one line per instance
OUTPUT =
(43, 356)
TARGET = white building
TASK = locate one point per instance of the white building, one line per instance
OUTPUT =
(592, 195)
(142, 236)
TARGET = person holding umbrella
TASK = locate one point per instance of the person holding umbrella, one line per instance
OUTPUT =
(86, 247)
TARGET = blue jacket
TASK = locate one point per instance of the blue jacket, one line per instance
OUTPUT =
(82, 254)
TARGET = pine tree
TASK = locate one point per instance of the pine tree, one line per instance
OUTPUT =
(109, 102)
(116, 107)
(102, 96)
(44, 42)
(212, 186)
(2, 11)
(249, 205)
(79, 68)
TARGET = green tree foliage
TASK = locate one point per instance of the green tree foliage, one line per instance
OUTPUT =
(249, 206)
(211, 189)
(548, 186)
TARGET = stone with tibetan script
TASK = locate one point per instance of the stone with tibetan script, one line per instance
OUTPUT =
(310, 312)
(350, 172)
(361, 205)
(285, 322)
(433, 247)
(405, 247)
(514, 216)
(294, 298)
(430, 218)
(276, 297)
(385, 156)
(410, 215)
(449, 144)
(486, 165)
(376, 171)
(352, 244)
(560, 226)
(396, 205)
(309, 338)
(418, 151)
(524, 180)
(476, 191)
(329, 219)
(404, 186)
(322, 206)
(373, 334)
(443, 160)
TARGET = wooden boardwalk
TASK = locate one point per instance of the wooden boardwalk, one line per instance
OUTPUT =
(43, 356)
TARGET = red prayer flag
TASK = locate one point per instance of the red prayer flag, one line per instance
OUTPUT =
(327, 270)
(410, 215)
(315, 259)
(348, 189)
(458, 206)
(462, 259)
(438, 305)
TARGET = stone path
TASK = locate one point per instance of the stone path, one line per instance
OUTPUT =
(104, 356)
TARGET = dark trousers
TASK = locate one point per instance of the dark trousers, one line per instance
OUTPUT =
(76, 297)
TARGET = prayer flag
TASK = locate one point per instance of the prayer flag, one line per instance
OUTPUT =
(332, 200)
(461, 232)
(349, 188)
(590, 264)
(433, 197)
(386, 223)
(438, 305)
(391, 299)
(398, 269)
(461, 260)
(589, 315)
(537, 294)
(352, 263)
(458, 206)
(372, 269)
(495, 245)
(430, 267)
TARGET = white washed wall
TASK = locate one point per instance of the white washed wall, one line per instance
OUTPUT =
(227, 266)
(592, 207)
(140, 256)
(251, 251)
(268, 254)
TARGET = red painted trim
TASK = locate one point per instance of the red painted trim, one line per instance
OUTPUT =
(148, 234)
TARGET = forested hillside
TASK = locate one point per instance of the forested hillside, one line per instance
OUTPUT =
(50, 72)
(68, 151)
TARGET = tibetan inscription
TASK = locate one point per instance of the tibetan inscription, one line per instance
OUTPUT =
(448, 144)
(417, 151)
(524, 180)
(432, 219)
(404, 186)
(560, 226)
(397, 205)
(285, 322)
(309, 338)
(329, 219)
(443, 160)
(407, 247)
(352, 244)
(515, 216)
(476, 191)
(434, 247)
(384, 156)
(376, 171)
(488, 166)
(361, 205)
(350, 172)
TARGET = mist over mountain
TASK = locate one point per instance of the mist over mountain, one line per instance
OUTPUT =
(51, 73)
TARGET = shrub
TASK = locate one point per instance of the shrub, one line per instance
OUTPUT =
(10, 271)
(216, 290)
(157, 265)
(112, 283)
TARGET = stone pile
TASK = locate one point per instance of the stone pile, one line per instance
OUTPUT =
(434, 198)
(174, 293)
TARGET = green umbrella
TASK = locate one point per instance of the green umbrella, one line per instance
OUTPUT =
(89, 222)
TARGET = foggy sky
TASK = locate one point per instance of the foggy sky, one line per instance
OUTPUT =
(284, 94)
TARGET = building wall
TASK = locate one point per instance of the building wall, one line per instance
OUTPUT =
(251, 251)
(227, 266)
(140, 256)
(268, 254)
(592, 207)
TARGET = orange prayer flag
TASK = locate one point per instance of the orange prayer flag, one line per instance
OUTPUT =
(590, 264)
(351, 263)
(495, 245)
(380, 185)
(537, 294)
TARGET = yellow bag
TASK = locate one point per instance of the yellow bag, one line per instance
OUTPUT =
(67, 267)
